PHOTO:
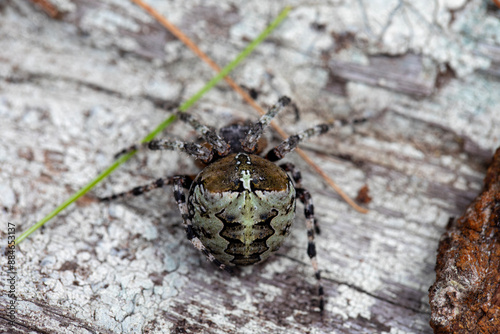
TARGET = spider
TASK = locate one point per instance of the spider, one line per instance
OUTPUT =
(240, 207)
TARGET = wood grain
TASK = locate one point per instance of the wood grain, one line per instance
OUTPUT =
(77, 90)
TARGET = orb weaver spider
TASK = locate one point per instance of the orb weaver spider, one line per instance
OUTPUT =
(240, 207)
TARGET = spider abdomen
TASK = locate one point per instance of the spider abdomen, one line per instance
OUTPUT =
(242, 207)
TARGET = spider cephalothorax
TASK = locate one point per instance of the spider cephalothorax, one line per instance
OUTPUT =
(241, 206)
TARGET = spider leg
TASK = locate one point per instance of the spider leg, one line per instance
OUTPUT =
(305, 197)
(257, 129)
(208, 134)
(180, 198)
(197, 151)
(291, 143)
(297, 178)
(159, 183)
(137, 191)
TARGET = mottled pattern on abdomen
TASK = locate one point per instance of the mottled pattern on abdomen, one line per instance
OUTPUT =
(242, 227)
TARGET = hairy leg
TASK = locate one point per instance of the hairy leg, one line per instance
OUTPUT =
(311, 225)
(291, 143)
(257, 129)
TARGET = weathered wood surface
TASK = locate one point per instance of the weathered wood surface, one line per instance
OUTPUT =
(74, 92)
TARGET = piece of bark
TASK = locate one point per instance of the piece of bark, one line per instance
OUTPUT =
(466, 295)
(363, 197)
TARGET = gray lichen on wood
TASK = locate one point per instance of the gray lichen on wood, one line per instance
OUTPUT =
(74, 92)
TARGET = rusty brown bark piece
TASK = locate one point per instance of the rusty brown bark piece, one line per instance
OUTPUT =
(47, 7)
(466, 295)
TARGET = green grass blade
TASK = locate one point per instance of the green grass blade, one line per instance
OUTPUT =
(225, 71)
